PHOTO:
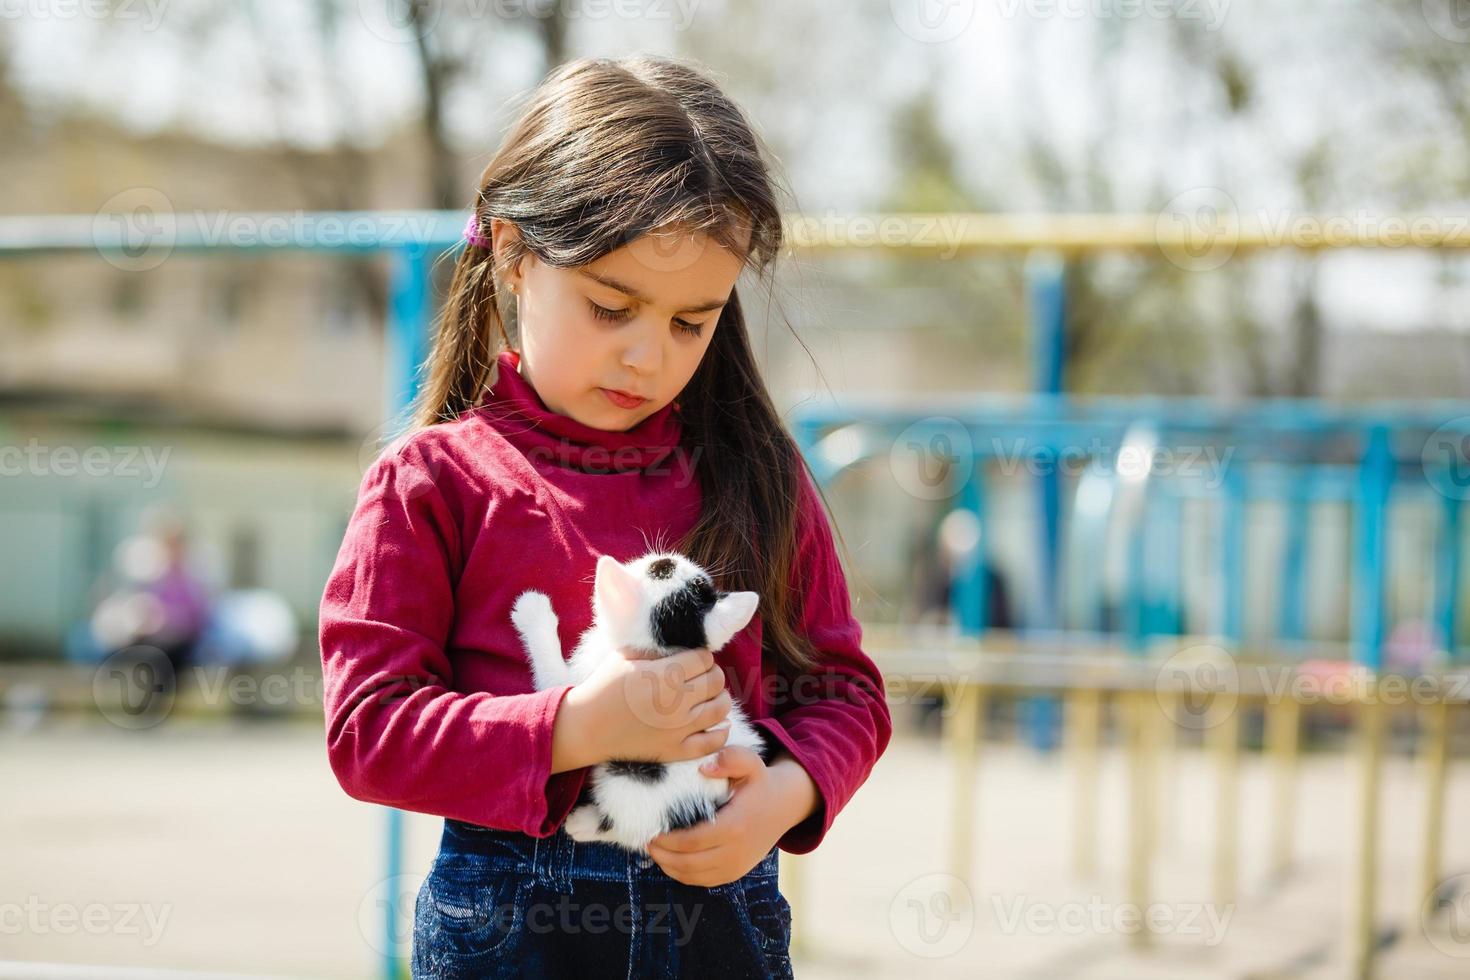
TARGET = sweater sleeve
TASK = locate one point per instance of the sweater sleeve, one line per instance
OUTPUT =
(833, 720)
(397, 734)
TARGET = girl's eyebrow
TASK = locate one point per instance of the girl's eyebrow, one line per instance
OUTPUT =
(612, 283)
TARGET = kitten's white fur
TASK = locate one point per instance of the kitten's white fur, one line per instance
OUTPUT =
(624, 598)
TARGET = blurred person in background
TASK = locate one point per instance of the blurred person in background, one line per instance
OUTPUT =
(160, 601)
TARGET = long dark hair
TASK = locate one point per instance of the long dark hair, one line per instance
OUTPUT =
(603, 152)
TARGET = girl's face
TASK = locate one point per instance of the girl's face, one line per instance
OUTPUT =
(638, 320)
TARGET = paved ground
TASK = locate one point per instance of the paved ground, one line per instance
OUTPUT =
(228, 847)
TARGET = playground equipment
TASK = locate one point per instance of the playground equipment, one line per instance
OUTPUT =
(1378, 454)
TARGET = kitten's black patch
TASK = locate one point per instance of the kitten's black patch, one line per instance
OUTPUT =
(661, 569)
(678, 619)
(643, 772)
(605, 824)
(768, 748)
(687, 813)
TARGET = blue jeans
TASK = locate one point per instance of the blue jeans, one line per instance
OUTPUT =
(504, 904)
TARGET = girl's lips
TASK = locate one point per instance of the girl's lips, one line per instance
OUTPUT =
(621, 400)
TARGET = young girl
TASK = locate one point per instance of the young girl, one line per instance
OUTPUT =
(627, 416)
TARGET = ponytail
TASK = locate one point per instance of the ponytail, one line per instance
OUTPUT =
(463, 355)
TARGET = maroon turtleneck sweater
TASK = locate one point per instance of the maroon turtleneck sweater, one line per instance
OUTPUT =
(429, 700)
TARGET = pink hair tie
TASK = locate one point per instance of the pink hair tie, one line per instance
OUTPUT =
(472, 232)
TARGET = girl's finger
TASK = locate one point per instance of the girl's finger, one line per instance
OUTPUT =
(687, 866)
(733, 762)
(700, 837)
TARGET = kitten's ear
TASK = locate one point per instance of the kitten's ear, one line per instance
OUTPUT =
(728, 617)
(615, 591)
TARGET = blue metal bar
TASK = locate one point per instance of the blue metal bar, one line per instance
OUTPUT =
(1448, 547)
(1291, 613)
(969, 595)
(1233, 557)
(1133, 592)
(1047, 294)
(1252, 421)
(394, 952)
(1161, 569)
(410, 308)
(1046, 289)
(1171, 563)
(1375, 484)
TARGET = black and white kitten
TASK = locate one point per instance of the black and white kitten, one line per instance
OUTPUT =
(655, 606)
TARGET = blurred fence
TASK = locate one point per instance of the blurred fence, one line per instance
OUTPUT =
(1096, 638)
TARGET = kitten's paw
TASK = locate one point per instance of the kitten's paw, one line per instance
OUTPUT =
(532, 610)
(584, 824)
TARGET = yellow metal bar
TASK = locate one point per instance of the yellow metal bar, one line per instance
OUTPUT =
(1434, 747)
(1363, 895)
(1140, 796)
(1283, 743)
(1084, 727)
(1224, 736)
(1166, 766)
(962, 735)
(952, 233)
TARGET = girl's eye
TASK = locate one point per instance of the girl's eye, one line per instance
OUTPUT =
(603, 313)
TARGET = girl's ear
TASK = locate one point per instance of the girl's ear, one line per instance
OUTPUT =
(615, 593)
(728, 617)
(504, 234)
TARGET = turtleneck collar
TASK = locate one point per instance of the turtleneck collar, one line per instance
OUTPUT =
(514, 408)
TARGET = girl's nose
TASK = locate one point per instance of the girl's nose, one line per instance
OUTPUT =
(644, 356)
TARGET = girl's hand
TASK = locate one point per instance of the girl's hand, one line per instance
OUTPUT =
(767, 802)
(644, 710)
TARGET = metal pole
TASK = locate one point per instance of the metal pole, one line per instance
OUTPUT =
(1140, 823)
(406, 339)
(1434, 747)
(1225, 739)
(1447, 581)
(1083, 727)
(1375, 481)
(1047, 291)
(1283, 739)
(1232, 558)
(962, 733)
(1363, 895)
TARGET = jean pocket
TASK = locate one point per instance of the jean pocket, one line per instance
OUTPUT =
(470, 916)
(768, 912)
